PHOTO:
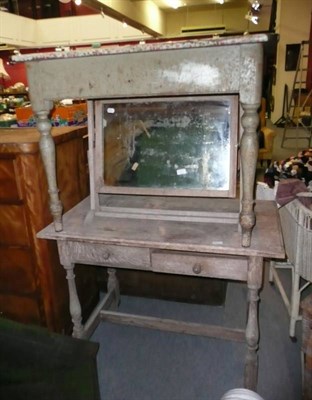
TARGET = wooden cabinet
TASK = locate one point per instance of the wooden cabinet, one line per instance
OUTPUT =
(33, 288)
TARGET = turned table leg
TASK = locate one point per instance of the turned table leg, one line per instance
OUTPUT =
(47, 149)
(113, 286)
(254, 283)
(249, 153)
(74, 303)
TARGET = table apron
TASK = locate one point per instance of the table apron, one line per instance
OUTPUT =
(149, 259)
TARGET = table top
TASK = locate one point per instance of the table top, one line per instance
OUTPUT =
(218, 238)
(143, 47)
(164, 68)
(26, 140)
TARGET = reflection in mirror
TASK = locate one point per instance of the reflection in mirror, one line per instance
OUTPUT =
(168, 144)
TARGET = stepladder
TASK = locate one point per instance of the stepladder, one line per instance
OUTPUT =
(298, 123)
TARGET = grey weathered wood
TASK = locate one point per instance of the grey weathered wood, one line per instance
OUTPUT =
(113, 287)
(171, 325)
(47, 149)
(249, 151)
(192, 247)
(108, 255)
(94, 318)
(195, 248)
(74, 303)
(254, 283)
(200, 67)
(86, 238)
(200, 265)
(169, 208)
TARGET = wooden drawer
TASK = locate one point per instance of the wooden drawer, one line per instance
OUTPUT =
(16, 271)
(13, 225)
(9, 190)
(106, 255)
(210, 265)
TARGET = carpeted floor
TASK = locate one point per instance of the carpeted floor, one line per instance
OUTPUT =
(143, 364)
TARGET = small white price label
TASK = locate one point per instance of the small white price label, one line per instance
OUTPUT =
(181, 171)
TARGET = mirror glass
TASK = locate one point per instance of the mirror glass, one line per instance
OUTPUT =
(169, 144)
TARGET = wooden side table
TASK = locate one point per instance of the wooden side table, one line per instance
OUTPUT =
(195, 247)
(169, 247)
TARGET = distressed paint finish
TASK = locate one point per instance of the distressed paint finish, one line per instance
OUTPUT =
(142, 48)
(254, 283)
(204, 250)
(197, 67)
(162, 73)
(249, 151)
(250, 81)
(234, 69)
(231, 65)
(47, 150)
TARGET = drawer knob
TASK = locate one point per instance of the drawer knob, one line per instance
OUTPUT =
(197, 268)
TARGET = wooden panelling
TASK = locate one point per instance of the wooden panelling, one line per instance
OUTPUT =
(9, 190)
(16, 271)
(33, 288)
(13, 226)
(20, 308)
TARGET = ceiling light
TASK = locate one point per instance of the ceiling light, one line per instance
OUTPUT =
(77, 2)
(255, 4)
(221, 1)
(124, 24)
(252, 18)
(174, 3)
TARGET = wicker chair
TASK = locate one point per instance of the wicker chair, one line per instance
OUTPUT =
(296, 222)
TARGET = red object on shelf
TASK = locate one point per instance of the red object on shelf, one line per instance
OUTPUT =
(74, 114)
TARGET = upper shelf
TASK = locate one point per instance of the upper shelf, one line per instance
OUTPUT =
(16, 94)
